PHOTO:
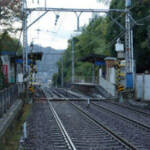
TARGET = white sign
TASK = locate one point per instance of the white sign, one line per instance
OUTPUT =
(119, 47)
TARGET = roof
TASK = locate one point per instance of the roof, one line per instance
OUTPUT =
(111, 58)
(36, 56)
(9, 53)
(93, 58)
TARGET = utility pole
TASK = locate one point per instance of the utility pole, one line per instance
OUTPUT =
(25, 43)
(62, 73)
(128, 40)
(78, 20)
(45, 4)
(129, 56)
(73, 60)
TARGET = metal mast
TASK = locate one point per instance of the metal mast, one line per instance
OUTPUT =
(25, 43)
(128, 43)
(62, 72)
(73, 60)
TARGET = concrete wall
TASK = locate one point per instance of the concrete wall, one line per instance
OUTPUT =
(112, 75)
(108, 86)
(139, 86)
(142, 86)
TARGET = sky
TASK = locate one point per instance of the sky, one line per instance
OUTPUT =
(45, 33)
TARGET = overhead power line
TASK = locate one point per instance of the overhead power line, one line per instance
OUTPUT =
(143, 19)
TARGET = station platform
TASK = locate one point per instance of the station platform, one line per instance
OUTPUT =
(90, 88)
(8, 117)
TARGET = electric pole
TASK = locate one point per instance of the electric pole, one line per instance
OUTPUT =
(73, 60)
(45, 4)
(62, 73)
(129, 54)
(129, 41)
(25, 43)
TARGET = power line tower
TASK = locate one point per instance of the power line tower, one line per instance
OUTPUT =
(129, 46)
(129, 40)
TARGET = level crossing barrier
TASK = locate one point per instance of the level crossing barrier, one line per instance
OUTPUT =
(8, 97)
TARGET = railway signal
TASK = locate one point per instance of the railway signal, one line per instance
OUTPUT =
(31, 70)
(119, 77)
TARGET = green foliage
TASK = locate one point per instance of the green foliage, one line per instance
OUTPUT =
(54, 79)
(10, 11)
(100, 36)
(9, 44)
(91, 41)
(139, 9)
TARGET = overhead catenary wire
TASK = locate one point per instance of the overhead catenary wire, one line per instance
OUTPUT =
(143, 19)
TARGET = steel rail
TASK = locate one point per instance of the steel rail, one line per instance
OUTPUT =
(62, 129)
(123, 117)
(127, 107)
(60, 125)
(109, 131)
(114, 103)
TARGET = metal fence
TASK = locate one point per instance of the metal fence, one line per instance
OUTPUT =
(9, 96)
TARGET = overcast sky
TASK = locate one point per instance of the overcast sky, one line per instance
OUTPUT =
(57, 36)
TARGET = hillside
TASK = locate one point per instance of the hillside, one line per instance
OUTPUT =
(48, 66)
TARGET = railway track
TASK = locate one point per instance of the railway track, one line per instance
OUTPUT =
(86, 133)
(43, 131)
(127, 112)
(81, 125)
(67, 138)
(99, 131)
(133, 132)
(126, 116)
(127, 107)
(126, 126)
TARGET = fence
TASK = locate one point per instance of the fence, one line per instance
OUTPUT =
(9, 96)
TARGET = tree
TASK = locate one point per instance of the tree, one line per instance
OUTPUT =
(10, 12)
(138, 10)
(9, 44)
(101, 34)
(91, 41)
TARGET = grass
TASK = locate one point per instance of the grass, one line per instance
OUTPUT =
(10, 140)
